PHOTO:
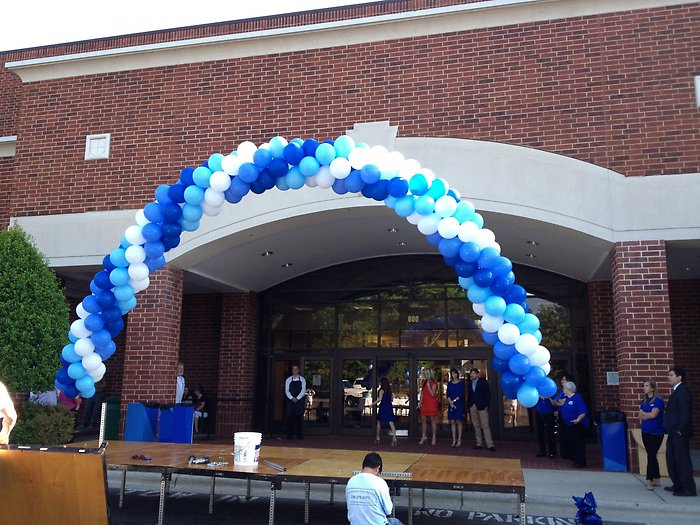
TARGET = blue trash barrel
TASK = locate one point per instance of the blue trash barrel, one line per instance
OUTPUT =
(613, 439)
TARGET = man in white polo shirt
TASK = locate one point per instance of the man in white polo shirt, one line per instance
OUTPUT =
(367, 495)
(7, 414)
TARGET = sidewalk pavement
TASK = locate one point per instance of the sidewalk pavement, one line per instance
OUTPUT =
(622, 497)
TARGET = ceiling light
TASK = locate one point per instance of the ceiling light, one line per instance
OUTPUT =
(266, 254)
(531, 256)
(392, 230)
(686, 268)
(286, 265)
(533, 243)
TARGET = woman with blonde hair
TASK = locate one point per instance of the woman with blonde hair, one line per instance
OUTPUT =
(651, 414)
(428, 405)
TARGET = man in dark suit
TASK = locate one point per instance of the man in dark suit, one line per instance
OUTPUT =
(678, 424)
(478, 401)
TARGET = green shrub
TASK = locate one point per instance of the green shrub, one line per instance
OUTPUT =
(43, 425)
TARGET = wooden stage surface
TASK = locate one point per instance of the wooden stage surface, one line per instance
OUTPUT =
(314, 465)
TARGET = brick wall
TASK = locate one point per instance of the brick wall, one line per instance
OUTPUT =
(199, 341)
(603, 351)
(7, 167)
(685, 322)
(592, 88)
(642, 320)
(239, 330)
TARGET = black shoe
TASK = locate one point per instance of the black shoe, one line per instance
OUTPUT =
(478, 447)
(671, 489)
(541, 454)
(492, 449)
(685, 494)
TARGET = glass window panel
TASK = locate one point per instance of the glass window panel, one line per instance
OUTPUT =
(412, 323)
(303, 326)
(555, 322)
(462, 329)
(357, 384)
(357, 325)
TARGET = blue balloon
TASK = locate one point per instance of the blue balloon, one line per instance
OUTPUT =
(153, 249)
(153, 212)
(339, 187)
(63, 377)
(107, 351)
(547, 387)
(111, 315)
(534, 376)
(434, 238)
(76, 371)
(325, 154)
(171, 230)
(418, 184)
(477, 294)
(156, 264)
(192, 212)
(469, 252)
(115, 328)
(499, 365)
(163, 194)
(266, 179)
(193, 195)
(465, 269)
(277, 145)
(450, 247)
(488, 257)
(170, 243)
(489, 338)
(84, 384)
(105, 299)
(232, 197)
(514, 313)
(171, 212)
(186, 176)
(123, 243)
(504, 351)
(68, 353)
(118, 258)
(309, 166)
(101, 338)
(502, 266)
(94, 322)
(93, 287)
(127, 306)
(510, 381)
(310, 146)
(404, 206)
(398, 187)
(519, 364)
(529, 325)
(450, 261)
(478, 220)
(123, 293)
(119, 276)
(248, 172)
(176, 192)
(370, 173)
(464, 211)
(538, 335)
(293, 153)
(87, 394)
(455, 194)
(214, 161)
(295, 179)
(494, 305)
(278, 167)
(483, 277)
(502, 284)
(70, 391)
(378, 191)
(107, 263)
(102, 281)
(201, 177)
(354, 182)
(240, 187)
(528, 395)
(150, 232)
(425, 205)
(90, 304)
(517, 294)
(72, 338)
(438, 189)
(466, 282)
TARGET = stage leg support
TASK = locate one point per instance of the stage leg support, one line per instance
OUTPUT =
(422, 506)
(248, 490)
(522, 508)
(271, 514)
(332, 497)
(212, 488)
(164, 482)
(410, 506)
(122, 488)
(307, 491)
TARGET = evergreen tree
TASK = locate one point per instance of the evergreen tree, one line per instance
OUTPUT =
(34, 317)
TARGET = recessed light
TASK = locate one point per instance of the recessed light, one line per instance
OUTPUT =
(686, 268)
(402, 243)
(533, 243)
(286, 265)
(531, 256)
(392, 230)
(266, 254)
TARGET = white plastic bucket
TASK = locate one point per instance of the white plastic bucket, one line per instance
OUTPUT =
(246, 448)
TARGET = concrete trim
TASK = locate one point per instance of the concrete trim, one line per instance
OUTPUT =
(465, 17)
(8, 146)
(521, 182)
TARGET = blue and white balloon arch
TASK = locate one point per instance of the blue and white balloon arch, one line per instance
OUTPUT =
(415, 193)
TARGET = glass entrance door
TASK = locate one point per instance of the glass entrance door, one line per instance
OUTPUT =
(317, 411)
(358, 383)
(399, 375)
(441, 371)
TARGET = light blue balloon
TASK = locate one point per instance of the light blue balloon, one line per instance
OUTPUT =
(277, 145)
(84, 384)
(477, 294)
(201, 177)
(295, 179)
(425, 205)
(325, 154)
(466, 282)
(514, 313)
(123, 293)
(87, 394)
(119, 276)
(437, 189)
(538, 335)
(309, 166)
(404, 206)
(299, 142)
(68, 353)
(194, 195)
(418, 184)
(76, 371)
(189, 226)
(390, 202)
(214, 162)
(495, 306)
(127, 306)
(528, 395)
(343, 145)
(191, 212)
(464, 212)
(478, 220)
(118, 258)
(281, 183)
(529, 325)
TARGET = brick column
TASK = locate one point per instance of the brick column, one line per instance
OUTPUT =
(642, 320)
(153, 341)
(603, 350)
(239, 329)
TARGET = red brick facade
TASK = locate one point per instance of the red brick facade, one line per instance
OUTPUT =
(603, 349)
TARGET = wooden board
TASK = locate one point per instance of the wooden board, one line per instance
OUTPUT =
(44, 486)
(453, 470)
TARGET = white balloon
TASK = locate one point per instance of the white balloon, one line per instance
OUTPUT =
(445, 206)
(479, 309)
(135, 254)
(133, 234)
(491, 323)
(84, 346)
(324, 179)
(377, 154)
(82, 313)
(246, 150)
(219, 181)
(139, 285)
(98, 373)
(408, 168)
(526, 344)
(391, 164)
(140, 219)
(428, 224)
(508, 334)
(540, 356)
(359, 158)
(468, 232)
(230, 164)
(448, 227)
(138, 271)
(340, 168)
(78, 329)
(547, 368)
(428, 174)
(484, 237)
(210, 210)
(91, 361)
(264, 145)
(214, 198)
(311, 181)
(414, 218)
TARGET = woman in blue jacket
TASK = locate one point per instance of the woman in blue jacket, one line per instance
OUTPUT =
(575, 417)
(651, 414)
